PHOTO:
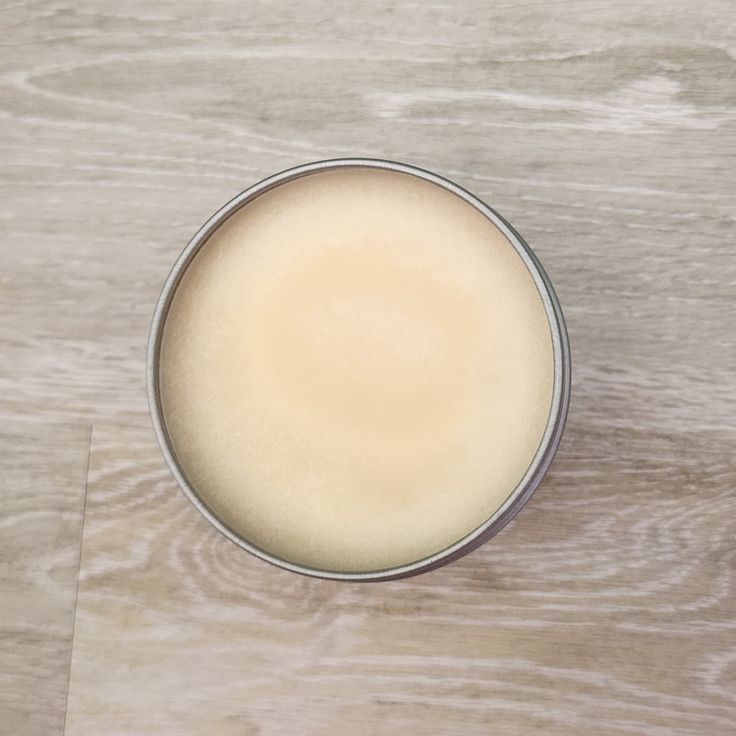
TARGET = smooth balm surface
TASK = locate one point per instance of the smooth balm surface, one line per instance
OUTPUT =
(356, 370)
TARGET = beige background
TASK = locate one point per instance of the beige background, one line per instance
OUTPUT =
(605, 132)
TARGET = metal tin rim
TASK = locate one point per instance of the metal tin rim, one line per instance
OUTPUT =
(560, 396)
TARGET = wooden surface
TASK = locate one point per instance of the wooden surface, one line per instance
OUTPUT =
(43, 479)
(606, 132)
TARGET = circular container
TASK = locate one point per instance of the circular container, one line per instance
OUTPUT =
(560, 395)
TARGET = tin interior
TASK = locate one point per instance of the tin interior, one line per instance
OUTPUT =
(558, 409)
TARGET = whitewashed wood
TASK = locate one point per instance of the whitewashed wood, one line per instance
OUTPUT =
(42, 477)
(606, 132)
(606, 607)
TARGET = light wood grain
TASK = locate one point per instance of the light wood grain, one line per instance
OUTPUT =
(606, 133)
(42, 477)
(607, 607)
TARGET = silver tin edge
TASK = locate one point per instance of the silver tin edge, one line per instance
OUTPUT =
(558, 410)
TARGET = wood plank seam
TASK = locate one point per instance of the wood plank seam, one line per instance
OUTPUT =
(79, 567)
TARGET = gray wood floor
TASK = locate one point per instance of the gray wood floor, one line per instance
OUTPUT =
(606, 132)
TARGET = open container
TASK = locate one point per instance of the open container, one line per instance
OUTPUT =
(560, 393)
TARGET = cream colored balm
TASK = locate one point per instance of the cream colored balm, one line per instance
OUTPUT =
(356, 370)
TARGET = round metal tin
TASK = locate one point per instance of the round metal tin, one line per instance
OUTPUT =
(560, 398)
